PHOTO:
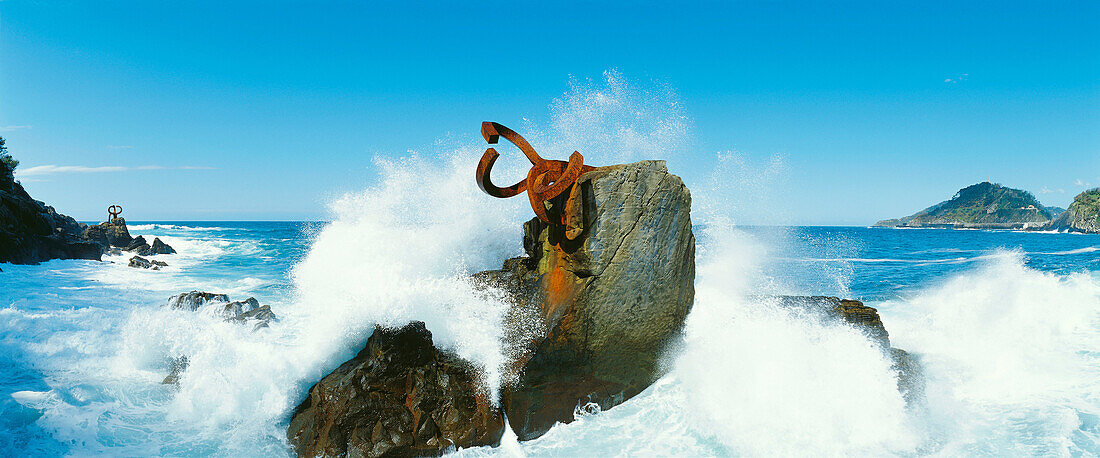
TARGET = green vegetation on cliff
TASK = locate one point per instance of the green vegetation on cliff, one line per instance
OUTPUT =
(983, 205)
(1083, 215)
(5, 159)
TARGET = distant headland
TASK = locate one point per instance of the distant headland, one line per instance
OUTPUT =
(994, 206)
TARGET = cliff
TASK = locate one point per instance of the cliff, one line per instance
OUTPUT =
(32, 232)
(980, 206)
(1083, 215)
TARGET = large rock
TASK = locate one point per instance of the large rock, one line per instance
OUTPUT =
(400, 396)
(32, 232)
(607, 304)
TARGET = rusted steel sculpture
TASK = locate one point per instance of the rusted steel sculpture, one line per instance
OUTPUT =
(113, 211)
(546, 180)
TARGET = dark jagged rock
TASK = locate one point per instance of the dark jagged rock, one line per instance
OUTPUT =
(160, 247)
(137, 243)
(981, 206)
(141, 247)
(607, 305)
(32, 232)
(236, 308)
(140, 262)
(195, 299)
(910, 377)
(400, 396)
(262, 315)
(249, 309)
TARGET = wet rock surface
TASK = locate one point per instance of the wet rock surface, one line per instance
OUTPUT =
(142, 263)
(609, 304)
(400, 396)
(142, 248)
(195, 299)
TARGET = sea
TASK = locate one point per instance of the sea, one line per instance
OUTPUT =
(1006, 324)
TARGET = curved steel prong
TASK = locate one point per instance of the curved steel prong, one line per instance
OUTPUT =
(484, 167)
(492, 132)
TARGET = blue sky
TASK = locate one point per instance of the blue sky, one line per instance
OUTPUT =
(253, 111)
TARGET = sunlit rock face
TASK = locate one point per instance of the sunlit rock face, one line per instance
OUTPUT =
(607, 304)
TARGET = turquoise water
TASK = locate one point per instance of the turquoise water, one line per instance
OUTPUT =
(1007, 323)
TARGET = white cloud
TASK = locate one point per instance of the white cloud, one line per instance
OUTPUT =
(1046, 190)
(1082, 183)
(957, 79)
(10, 128)
(56, 169)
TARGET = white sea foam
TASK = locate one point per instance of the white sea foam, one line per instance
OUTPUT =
(1012, 357)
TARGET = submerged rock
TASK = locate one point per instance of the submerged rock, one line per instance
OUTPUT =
(608, 304)
(142, 263)
(32, 232)
(400, 396)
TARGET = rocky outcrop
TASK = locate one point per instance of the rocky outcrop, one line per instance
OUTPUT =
(32, 232)
(142, 263)
(139, 246)
(400, 396)
(854, 313)
(160, 247)
(195, 299)
(1083, 215)
(607, 305)
(109, 234)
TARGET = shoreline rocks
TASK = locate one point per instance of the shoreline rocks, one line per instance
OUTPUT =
(32, 232)
(400, 396)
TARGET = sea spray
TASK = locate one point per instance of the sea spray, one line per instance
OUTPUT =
(1012, 357)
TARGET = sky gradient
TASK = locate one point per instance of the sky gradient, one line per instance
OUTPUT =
(854, 111)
